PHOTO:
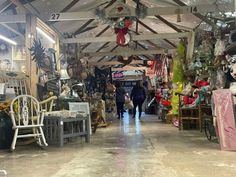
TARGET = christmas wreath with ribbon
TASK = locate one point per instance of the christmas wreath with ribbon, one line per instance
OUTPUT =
(120, 25)
(122, 31)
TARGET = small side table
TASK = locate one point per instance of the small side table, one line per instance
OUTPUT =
(57, 128)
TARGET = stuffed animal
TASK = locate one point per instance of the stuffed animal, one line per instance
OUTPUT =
(65, 90)
(101, 111)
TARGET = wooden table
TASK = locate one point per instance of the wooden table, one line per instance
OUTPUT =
(57, 129)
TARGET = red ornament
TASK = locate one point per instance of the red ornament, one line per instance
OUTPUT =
(120, 9)
(128, 23)
(150, 62)
(120, 37)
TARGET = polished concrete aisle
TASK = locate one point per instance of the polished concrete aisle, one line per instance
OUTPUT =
(127, 148)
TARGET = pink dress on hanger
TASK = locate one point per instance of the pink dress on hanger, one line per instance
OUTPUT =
(225, 119)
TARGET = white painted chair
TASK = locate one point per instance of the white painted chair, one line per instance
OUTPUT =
(26, 115)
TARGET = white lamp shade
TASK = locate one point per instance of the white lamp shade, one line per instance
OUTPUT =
(64, 74)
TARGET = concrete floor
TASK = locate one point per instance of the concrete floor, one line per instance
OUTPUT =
(126, 148)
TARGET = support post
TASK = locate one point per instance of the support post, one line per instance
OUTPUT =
(31, 69)
(190, 47)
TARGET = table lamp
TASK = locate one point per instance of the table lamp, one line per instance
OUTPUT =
(64, 74)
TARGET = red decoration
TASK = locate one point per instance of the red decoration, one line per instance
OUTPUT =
(151, 63)
(201, 83)
(120, 37)
(120, 9)
(128, 23)
(121, 29)
(166, 103)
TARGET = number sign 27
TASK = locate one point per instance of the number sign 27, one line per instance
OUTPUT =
(55, 16)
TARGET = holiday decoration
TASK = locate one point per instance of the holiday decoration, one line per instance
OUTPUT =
(125, 61)
(203, 60)
(121, 9)
(117, 10)
(121, 29)
(118, 17)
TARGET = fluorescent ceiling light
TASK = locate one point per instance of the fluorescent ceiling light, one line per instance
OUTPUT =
(7, 40)
(45, 35)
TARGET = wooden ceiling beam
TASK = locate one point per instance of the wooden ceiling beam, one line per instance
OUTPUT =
(91, 20)
(175, 10)
(5, 5)
(168, 23)
(99, 34)
(83, 26)
(104, 30)
(143, 47)
(110, 3)
(150, 42)
(129, 68)
(68, 7)
(125, 53)
(114, 57)
(153, 31)
(200, 16)
(20, 28)
(33, 12)
(101, 59)
(160, 18)
(102, 47)
(12, 30)
(87, 29)
(142, 37)
(110, 63)
(12, 19)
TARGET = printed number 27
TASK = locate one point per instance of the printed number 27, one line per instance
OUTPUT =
(55, 16)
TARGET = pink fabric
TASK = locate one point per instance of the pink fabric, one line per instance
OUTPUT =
(225, 120)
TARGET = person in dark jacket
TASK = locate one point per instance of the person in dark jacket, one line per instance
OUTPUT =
(138, 96)
(120, 100)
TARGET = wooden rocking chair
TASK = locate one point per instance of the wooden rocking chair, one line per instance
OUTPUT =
(26, 115)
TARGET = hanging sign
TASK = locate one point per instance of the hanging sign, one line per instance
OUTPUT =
(118, 75)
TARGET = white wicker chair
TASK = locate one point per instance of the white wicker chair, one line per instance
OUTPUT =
(26, 115)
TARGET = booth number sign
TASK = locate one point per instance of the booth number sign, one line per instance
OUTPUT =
(193, 9)
(55, 16)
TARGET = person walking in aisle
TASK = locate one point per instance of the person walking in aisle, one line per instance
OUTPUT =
(138, 96)
(120, 100)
